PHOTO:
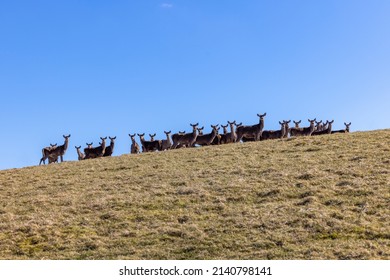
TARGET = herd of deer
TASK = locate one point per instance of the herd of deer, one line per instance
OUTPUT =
(238, 132)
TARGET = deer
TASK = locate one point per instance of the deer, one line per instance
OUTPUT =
(166, 144)
(207, 139)
(286, 128)
(55, 152)
(252, 131)
(187, 139)
(230, 137)
(110, 149)
(152, 136)
(328, 130)
(95, 152)
(200, 130)
(244, 138)
(149, 146)
(319, 126)
(297, 123)
(134, 148)
(176, 137)
(80, 155)
(274, 134)
(346, 130)
(46, 152)
(305, 131)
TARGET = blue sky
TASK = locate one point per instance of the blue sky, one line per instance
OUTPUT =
(109, 68)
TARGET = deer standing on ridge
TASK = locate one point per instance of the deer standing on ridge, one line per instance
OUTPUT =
(96, 151)
(55, 152)
(110, 149)
(304, 131)
(207, 139)
(252, 131)
(187, 139)
(134, 148)
(149, 146)
(166, 144)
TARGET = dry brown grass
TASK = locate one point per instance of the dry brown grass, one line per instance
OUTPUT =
(325, 197)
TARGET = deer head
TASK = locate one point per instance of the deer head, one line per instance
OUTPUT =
(297, 123)
(224, 127)
(152, 136)
(347, 125)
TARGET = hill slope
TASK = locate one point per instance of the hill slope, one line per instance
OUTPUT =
(325, 197)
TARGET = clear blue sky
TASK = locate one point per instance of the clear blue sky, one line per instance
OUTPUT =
(109, 68)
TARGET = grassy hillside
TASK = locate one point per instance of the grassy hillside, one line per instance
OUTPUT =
(324, 197)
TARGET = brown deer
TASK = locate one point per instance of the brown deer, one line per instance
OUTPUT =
(244, 139)
(274, 134)
(305, 131)
(286, 128)
(55, 152)
(95, 152)
(319, 126)
(80, 155)
(252, 131)
(110, 149)
(328, 130)
(166, 144)
(149, 146)
(46, 152)
(200, 130)
(176, 137)
(346, 130)
(297, 123)
(187, 139)
(230, 137)
(134, 148)
(152, 136)
(207, 139)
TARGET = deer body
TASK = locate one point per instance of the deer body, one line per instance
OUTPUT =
(207, 139)
(253, 131)
(97, 151)
(110, 149)
(134, 148)
(305, 131)
(149, 146)
(55, 152)
(46, 152)
(346, 130)
(80, 155)
(328, 130)
(187, 139)
(274, 134)
(166, 144)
